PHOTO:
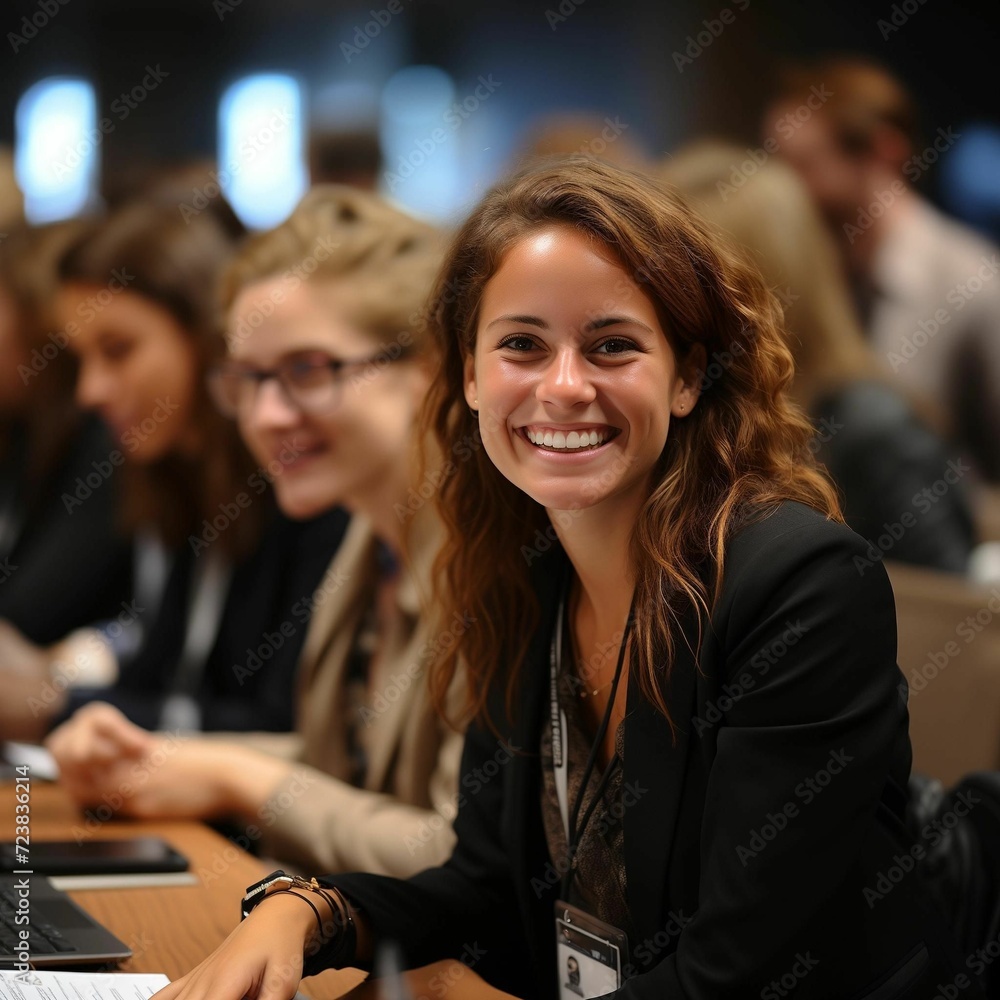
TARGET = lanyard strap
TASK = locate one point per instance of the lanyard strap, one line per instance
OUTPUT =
(210, 589)
(560, 749)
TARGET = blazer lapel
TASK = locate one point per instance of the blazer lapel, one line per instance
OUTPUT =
(653, 774)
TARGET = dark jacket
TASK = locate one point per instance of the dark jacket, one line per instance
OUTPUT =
(902, 490)
(248, 679)
(64, 566)
(751, 839)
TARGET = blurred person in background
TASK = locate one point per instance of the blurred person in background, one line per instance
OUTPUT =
(582, 133)
(345, 156)
(63, 564)
(217, 569)
(881, 452)
(337, 364)
(927, 287)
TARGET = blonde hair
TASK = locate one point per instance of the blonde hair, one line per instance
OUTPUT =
(339, 233)
(768, 214)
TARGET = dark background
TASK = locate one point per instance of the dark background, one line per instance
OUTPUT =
(614, 58)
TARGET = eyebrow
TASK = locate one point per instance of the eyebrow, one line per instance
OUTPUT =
(597, 324)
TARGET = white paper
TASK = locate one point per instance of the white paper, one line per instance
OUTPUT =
(79, 985)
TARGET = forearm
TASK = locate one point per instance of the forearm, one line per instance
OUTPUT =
(325, 824)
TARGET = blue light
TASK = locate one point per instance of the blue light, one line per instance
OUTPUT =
(262, 166)
(421, 149)
(57, 149)
(970, 177)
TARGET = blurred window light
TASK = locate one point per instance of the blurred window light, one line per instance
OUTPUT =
(57, 148)
(262, 168)
(970, 177)
(421, 152)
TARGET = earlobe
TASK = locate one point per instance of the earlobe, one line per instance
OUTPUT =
(471, 392)
(694, 369)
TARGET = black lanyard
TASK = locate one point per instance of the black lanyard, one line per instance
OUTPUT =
(560, 755)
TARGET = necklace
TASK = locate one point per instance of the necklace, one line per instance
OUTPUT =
(578, 674)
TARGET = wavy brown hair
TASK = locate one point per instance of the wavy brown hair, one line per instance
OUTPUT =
(741, 452)
(174, 263)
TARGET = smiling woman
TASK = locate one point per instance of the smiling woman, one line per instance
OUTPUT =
(692, 531)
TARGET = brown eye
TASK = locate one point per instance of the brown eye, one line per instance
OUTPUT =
(518, 342)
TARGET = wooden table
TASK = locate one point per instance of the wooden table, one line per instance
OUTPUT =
(171, 929)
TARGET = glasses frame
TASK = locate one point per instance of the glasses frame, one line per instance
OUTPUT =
(218, 371)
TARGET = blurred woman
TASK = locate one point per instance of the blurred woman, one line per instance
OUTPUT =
(63, 564)
(902, 489)
(327, 356)
(217, 570)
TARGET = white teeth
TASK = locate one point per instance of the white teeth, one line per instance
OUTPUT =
(572, 441)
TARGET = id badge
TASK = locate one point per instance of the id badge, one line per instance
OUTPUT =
(589, 954)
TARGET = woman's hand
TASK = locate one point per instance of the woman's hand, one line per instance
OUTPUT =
(261, 959)
(103, 757)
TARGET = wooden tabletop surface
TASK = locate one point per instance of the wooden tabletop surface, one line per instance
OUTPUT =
(170, 929)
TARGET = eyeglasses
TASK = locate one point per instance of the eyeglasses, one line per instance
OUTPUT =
(311, 383)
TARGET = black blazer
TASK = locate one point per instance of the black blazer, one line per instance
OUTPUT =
(750, 840)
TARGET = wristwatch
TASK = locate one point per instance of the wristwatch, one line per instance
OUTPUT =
(256, 892)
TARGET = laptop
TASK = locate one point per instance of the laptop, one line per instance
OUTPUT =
(59, 932)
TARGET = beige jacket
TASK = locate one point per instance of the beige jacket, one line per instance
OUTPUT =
(400, 821)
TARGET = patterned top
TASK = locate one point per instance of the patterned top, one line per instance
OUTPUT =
(598, 884)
